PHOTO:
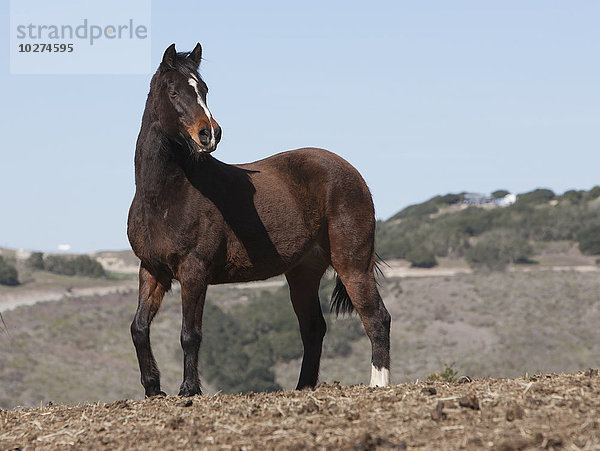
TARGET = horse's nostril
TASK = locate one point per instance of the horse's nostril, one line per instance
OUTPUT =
(204, 136)
(218, 134)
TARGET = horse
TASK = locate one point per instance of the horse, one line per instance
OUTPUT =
(200, 221)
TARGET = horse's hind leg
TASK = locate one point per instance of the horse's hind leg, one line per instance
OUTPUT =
(304, 282)
(151, 294)
(353, 258)
(363, 293)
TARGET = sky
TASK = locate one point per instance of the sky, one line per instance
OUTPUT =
(423, 98)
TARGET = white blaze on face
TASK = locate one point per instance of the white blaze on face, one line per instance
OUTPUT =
(379, 377)
(194, 84)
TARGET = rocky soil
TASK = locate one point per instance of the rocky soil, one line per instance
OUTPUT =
(551, 411)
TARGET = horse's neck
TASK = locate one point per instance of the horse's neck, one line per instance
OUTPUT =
(163, 172)
(156, 171)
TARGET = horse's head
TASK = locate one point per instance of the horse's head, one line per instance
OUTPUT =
(179, 98)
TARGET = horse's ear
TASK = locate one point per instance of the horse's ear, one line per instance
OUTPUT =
(196, 54)
(169, 56)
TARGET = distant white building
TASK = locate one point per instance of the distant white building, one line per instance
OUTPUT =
(507, 200)
(485, 199)
(478, 199)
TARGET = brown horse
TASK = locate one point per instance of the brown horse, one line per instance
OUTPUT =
(201, 222)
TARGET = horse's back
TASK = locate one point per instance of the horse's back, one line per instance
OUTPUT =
(315, 174)
(306, 159)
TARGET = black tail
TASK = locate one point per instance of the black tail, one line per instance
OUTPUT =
(340, 301)
(378, 271)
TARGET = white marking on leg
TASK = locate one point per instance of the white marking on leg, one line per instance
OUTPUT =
(379, 377)
(194, 84)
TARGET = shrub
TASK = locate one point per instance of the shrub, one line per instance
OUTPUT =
(451, 199)
(498, 194)
(497, 248)
(341, 333)
(226, 362)
(448, 375)
(87, 266)
(589, 240)
(538, 196)
(421, 258)
(59, 265)
(573, 196)
(594, 193)
(472, 221)
(390, 243)
(82, 265)
(8, 273)
(36, 261)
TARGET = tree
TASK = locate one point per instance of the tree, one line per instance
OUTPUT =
(498, 194)
(82, 265)
(420, 257)
(59, 265)
(450, 198)
(537, 196)
(36, 261)
(594, 193)
(497, 248)
(8, 273)
(573, 196)
(87, 266)
(589, 240)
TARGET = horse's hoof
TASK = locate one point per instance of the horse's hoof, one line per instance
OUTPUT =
(154, 393)
(190, 390)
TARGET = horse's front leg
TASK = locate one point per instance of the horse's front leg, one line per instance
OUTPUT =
(150, 297)
(193, 295)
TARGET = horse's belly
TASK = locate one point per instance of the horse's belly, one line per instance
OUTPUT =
(262, 257)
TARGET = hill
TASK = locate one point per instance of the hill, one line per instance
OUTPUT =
(491, 234)
(531, 319)
(543, 411)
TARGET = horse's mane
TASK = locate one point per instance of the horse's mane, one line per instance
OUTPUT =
(184, 65)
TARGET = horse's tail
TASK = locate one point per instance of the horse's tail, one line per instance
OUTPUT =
(340, 301)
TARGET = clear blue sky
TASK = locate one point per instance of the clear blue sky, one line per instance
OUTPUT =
(423, 98)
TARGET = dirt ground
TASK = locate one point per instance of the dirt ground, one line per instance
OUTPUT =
(543, 411)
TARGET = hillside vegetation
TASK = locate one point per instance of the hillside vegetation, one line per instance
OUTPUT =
(67, 265)
(445, 226)
(499, 324)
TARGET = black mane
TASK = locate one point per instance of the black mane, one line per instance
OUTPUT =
(185, 66)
